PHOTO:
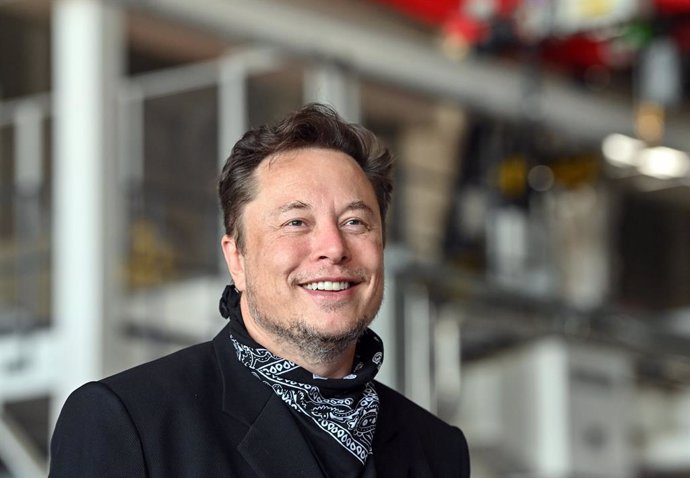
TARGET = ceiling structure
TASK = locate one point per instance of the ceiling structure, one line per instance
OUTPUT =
(591, 47)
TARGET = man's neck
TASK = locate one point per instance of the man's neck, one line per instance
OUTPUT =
(339, 369)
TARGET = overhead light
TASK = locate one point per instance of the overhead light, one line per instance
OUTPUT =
(662, 162)
(659, 161)
(621, 150)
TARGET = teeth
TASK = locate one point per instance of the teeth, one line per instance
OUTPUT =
(327, 285)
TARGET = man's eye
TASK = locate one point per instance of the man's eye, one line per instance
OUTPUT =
(295, 223)
(355, 223)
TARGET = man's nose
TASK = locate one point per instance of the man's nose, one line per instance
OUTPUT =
(331, 244)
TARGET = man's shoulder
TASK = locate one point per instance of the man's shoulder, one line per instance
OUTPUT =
(186, 383)
(178, 369)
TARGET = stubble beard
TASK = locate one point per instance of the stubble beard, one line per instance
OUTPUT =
(313, 346)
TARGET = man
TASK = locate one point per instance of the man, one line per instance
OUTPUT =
(287, 389)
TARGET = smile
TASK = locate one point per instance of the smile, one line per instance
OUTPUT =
(327, 285)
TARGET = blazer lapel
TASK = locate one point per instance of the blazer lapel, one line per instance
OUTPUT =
(273, 444)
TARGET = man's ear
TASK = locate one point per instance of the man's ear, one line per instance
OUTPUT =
(234, 260)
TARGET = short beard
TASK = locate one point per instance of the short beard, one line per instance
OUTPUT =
(313, 346)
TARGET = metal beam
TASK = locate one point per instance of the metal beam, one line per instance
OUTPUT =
(489, 86)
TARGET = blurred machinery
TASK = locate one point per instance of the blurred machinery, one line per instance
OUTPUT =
(557, 408)
(553, 408)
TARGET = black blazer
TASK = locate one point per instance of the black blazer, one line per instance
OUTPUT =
(199, 413)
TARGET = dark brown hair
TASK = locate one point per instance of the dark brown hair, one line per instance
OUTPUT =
(314, 125)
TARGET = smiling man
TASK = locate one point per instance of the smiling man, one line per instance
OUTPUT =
(311, 267)
(287, 389)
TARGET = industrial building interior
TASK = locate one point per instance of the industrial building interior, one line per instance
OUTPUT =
(538, 249)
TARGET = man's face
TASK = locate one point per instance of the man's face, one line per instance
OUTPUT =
(312, 269)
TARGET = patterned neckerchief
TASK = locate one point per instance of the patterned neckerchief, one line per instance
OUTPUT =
(346, 409)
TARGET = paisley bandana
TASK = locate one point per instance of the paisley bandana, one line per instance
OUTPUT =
(346, 409)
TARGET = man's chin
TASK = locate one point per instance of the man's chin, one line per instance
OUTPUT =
(335, 333)
(337, 328)
(317, 335)
(325, 347)
(327, 341)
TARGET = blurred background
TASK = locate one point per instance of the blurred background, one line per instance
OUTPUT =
(538, 252)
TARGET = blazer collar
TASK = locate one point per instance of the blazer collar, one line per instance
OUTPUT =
(272, 444)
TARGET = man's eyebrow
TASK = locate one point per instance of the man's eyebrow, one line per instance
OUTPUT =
(359, 206)
(292, 205)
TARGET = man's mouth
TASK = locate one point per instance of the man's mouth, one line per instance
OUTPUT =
(327, 285)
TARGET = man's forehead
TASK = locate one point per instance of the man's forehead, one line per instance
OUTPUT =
(308, 163)
(300, 179)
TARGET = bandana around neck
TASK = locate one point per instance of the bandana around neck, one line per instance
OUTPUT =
(346, 409)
